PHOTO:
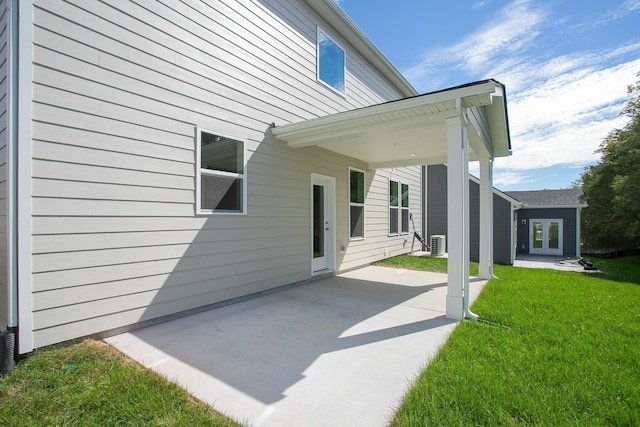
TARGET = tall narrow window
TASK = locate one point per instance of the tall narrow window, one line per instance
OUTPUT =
(330, 63)
(393, 207)
(221, 180)
(404, 217)
(356, 203)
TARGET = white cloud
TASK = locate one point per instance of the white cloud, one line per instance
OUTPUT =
(561, 106)
(514, 28)
(626, 8)
(481, 3)
(564, 118)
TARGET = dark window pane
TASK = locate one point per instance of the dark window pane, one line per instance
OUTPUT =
(405, 220)
(357, 187)
(221, 193)
(393, 193)
(537, 235)
(405, 195)
(393, 220)
(221, 154)
(554, 235)
(318, 221)
(357, 221)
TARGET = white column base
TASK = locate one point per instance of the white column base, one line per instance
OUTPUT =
(455, 308)
(484, 272)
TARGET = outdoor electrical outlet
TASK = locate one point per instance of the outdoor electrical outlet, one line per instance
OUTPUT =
(386, 252)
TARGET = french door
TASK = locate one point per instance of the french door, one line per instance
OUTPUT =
(545, 236)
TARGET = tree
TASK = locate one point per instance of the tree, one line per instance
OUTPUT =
(612, 187)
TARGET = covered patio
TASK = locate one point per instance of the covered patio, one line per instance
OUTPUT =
(343, 350)
(452, 126)
(338, 351)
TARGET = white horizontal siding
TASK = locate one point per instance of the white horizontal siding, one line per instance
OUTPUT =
(377, 240)
(119, 90)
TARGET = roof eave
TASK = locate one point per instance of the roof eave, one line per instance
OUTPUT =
(525, 206)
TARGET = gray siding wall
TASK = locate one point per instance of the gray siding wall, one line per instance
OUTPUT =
(568, 217)
(436, 201)
(437, 215)
(503, 246)
(4, 124)
(119, 88)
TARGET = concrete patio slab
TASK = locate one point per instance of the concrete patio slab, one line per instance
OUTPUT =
(551, 262)
(338, 351)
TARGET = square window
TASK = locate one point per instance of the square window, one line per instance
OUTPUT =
(399, 216)
(330, 63)
(405, 195)
(404, 226)
(357, 186)
(357, 221)
(356, 203)
(393, 207)
(393, 193)
(393, 221)
(405, 221)
(221, 177)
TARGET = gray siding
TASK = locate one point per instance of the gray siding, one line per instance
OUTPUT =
(436, 200)
(119, 89)
(503, 245)
(4, 124)
(437, 215)
(568, 217)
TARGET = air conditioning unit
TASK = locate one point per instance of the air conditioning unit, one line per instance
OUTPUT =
(438, 244)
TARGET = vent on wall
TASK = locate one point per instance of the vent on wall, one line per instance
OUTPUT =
(437, 245)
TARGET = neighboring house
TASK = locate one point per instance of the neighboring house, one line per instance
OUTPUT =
(160, 158)
(504, 208)
(549, 221)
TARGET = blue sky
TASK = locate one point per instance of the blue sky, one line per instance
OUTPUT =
(566, 66)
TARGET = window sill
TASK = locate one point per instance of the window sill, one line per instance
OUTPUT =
(214, 213)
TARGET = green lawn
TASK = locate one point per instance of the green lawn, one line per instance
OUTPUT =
(91, 384)
(567, 353)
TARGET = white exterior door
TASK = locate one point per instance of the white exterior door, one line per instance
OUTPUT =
(545, 236)
(322, 223)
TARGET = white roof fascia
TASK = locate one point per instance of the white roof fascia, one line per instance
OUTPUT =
(554, 206)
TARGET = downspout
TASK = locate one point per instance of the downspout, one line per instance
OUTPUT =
(423, 224)
(8, 337)
(465, 292)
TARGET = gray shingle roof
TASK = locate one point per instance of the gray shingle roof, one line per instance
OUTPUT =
(572, 197)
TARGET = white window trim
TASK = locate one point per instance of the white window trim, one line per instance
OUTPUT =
(400, 209)
(408, 208)
(364, 206)
(344, 72)
(199, 171)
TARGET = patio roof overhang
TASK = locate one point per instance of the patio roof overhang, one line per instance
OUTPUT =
(410, 131)
(450, 126)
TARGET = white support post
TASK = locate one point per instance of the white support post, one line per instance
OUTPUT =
(485, 268)
(457, 216)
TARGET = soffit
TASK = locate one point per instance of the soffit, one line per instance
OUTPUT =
(407, 132)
